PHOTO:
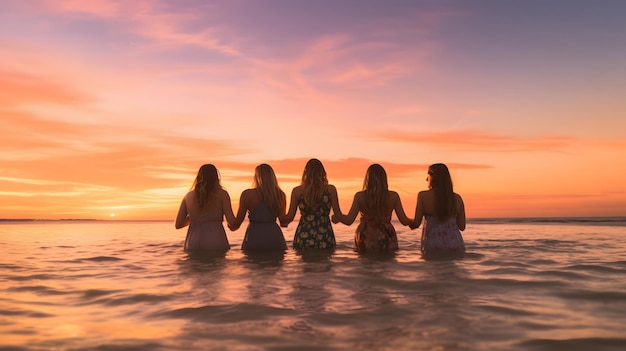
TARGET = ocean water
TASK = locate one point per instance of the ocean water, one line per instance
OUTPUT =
(524, 284)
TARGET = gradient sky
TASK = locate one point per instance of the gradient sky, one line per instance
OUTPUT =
(110, 107)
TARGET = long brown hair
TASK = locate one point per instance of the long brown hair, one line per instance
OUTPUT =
(205, 185)
(314, 181)
(441, 184)
(376, 190)
(265, 180)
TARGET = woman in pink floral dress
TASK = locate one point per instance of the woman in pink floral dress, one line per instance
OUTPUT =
(443, 212)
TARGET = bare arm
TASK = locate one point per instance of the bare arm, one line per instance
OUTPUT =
(419, 212)
(282, 206)
(182, 219)
(241, 212)
(293, 207)
(400, 210)
(227, 208)
(334, 199)
(460, 214)
(349, 218)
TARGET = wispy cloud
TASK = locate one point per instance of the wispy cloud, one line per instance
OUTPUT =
(20, 88)
(481, 141)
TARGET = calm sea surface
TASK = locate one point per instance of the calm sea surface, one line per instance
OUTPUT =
(524, 285)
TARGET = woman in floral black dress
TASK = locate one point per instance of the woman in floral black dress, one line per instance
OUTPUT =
(315, 198)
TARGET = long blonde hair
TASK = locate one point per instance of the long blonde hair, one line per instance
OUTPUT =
(265, 180)
(376, 191)
(314, 182)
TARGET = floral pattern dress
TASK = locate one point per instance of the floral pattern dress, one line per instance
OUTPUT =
(375, 235)
(314, 229)
(441, 237)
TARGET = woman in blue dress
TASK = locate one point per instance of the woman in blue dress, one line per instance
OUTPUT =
(263, 203)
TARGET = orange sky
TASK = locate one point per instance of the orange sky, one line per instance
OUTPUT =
(109, 107)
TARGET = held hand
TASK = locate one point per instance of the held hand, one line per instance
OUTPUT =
(412, 225)
(334, 219)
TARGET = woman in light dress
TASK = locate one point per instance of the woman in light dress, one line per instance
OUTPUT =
(443, 212)
(203, 209)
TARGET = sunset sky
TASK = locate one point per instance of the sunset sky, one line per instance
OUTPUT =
(110, 107)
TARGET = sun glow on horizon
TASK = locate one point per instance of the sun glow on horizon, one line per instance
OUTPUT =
(129, 120)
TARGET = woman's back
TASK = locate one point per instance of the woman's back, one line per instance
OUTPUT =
(263, 233)
(382, 213)
(206, 231)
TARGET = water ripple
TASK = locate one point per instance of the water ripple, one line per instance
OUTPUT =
(583, 344)
(226, 313)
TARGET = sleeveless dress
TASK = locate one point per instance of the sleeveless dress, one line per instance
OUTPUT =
(263, 233)
(314, 229)
(206, 233)
(375, 235)
(441, 237)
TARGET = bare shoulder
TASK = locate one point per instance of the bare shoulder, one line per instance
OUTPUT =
(223, 193)
(393, 196)
(189, 196)
(248, 193)
(331, 189)
(359, 196)
(297, 190)
(424, 193)
(458, 198)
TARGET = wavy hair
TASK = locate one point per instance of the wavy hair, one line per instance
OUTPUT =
(265, 180)
(314, 181)
(441, 184)
(376, 190)
(205, 185)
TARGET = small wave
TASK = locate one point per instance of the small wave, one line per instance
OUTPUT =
(102, 259)
(594, 268)
(226, 313)
(561, 274)
(125, 345)
(601, 296)
(138, 298)
(34, 314)
(95, 293)
(582, 344)
(14, 348)
(525, 284)
(33, 277)
(40, 289)
(506, 310)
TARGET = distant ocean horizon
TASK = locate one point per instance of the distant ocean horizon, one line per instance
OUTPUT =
(591, 220)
